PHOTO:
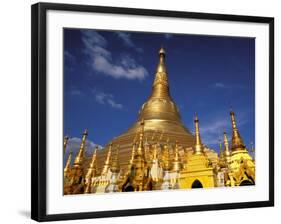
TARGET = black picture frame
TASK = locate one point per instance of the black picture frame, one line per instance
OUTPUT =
(39, 122)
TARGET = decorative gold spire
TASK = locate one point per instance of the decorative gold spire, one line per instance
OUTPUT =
(138, 166)
(107, 160)
(153, 136)
(226, 150)
(160, 104)
(92, 167)
(220, 144)
(87, 189)
(161, 135)
(68, 164)
(237, 141)
(154, 152)
(198, 149)
(160, 113)
(176, 152)
(161, 68)
(65, 141)
(90, 173)
(166, 157)
(133, 153)
(80, 156)
(176, 164)
(115, 167)
(226, 145)
(160, 85)
(140, 147)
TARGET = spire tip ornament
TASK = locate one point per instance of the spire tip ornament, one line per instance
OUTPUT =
(162, 51)
(237, 141)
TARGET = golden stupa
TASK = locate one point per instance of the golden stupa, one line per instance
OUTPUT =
(158, 153)
(161, 117)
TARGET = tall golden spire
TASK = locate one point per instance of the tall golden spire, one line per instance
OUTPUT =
(115, 167)
(92, 167)
(65, 141)
(140, 147)
(90, 173)
(226, 145)
(160, 114)
(155, 152)
(165, 157)
(68, 164)
(107, 160)
(80, 156)
(220, 144)
(176, 164)
(160, 104)
(138, 165)
(198, 149)
(133, 154)
(226, 150)
(160, 87)
(161, 71)
(133, 151)
(237, 141)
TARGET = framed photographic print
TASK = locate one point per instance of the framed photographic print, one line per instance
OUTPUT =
(138, 111)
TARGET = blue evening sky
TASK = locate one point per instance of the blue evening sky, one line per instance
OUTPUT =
(108, 76)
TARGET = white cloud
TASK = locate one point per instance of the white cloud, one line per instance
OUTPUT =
(69, 56)
(220, 85)
(100, 97)
(92, 37)
(69, 61)
(105, 98)
(126, 37)
(212, 131)
(103, 65)
(102, 61)
(113, 104)
(74, 146)
(75, 92)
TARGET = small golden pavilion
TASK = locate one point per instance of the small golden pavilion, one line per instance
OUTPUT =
(159, 153)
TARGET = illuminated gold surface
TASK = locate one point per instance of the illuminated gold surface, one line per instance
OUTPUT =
(198, 149)
(242, 166)
(237, 141)
(67, 168)
(80, 156)
(198, 168)
(176, 163)
(161, 117)
(106, 165)
(115, 167)
(226, 151)
(75, 182)
(90, 173)
(158, 153)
